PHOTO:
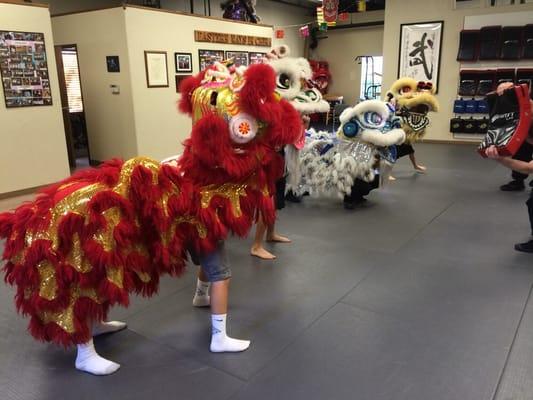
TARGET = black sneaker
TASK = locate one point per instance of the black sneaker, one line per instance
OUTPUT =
(350, 205)
(513, 186)
(290, 196)
(526, 247)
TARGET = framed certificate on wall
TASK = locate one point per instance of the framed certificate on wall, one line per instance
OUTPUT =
(156, 69)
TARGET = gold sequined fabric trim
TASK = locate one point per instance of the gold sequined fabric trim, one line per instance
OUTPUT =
(115, 275)
(76, 257)
(47, 279)
(230, 191)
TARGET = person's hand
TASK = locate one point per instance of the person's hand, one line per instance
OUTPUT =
(492, 152)
(503, 87)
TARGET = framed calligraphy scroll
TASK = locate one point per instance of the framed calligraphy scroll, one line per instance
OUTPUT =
(420, 51)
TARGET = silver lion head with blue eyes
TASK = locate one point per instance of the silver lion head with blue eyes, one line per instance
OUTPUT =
(373, 122)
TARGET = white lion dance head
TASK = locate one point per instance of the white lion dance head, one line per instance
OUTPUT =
(365, 142)
(294, 81)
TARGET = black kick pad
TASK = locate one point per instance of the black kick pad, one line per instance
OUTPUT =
(509, 120)
(487, 81)
(528, 42)
(468, 82)
(457, 125)
(490, 42)
(512, 42)
(468, 44)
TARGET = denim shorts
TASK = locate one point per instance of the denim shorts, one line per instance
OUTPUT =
(215, 264)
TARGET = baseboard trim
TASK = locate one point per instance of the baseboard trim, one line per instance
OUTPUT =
(23, 192)
(448, 141)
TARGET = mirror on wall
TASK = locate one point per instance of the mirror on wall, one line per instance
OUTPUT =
(501, 3)
(459, 4)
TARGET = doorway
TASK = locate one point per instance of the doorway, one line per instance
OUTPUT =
(371, 76)
(72, 106)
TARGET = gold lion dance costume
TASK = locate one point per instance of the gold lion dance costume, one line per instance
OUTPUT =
(86, 243)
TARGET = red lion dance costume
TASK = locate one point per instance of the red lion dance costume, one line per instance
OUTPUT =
(86, 243)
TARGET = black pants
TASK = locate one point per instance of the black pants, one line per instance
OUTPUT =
(523, 154)
(529, 204)
(361, 188)
(404, 149)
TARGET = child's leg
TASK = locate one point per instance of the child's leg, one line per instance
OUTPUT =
(216, 268)
(88, 360)
(220, 341)
(257, 249)
(201, 295)
(416, 166)
(272, 236)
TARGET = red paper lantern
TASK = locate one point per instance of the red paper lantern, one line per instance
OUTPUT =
(280, 33)
(343, 16)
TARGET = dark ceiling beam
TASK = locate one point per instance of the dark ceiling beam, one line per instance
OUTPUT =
(359, 25)
(307, 6)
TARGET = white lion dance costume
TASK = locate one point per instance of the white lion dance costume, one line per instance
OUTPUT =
(294, 84)
(332, 165)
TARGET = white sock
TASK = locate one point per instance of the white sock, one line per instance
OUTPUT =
(99, 328)
(201, 296)
(220, 342)
(89, 361)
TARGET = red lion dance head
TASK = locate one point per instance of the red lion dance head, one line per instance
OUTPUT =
(239, 123)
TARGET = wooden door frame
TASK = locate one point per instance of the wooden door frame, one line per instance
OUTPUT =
(75, 47)
(64, 106)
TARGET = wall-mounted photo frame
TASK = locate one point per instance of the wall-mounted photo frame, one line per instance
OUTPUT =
(24, 69)
(256, 57)
(183, 62)
(238, 57)
(113, 63)
(420, 51)
(156, 69)
(208, 57)
(179, 79)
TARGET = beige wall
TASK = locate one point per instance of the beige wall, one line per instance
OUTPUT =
(160, 128)
(33, 150)
(407, 11)
(110, 120)
(271, 13)
(340, 49)
(67, 6)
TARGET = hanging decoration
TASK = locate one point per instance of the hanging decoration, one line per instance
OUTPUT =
(323, 26)
(280, 33)
(361, 5)
(330, 9)
(304, 31)
(319, 15)
(343, 16)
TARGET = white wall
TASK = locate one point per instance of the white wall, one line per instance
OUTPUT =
(33, 150)
(110, 119)
(160, 128)
(402, 11)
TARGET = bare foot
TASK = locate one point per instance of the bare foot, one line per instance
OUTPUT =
(420, 168)
(261, 253)
(391, 178)
(278, 239)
